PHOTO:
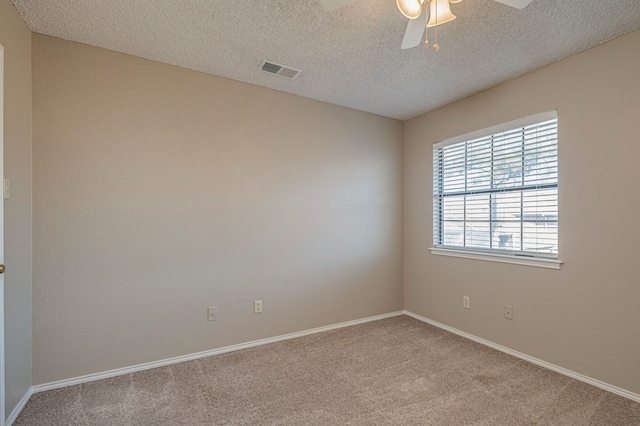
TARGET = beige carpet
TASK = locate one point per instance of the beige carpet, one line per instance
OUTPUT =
(396, 371)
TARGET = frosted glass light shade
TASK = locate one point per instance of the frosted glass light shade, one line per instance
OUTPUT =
(411, 9)
(444, 13)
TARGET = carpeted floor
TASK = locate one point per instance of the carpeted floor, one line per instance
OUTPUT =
(396, 371)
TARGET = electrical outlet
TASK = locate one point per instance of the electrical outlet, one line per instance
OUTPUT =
(212, 313)
(7, 189)
(257, 306)
(508, 312)
(466, 302)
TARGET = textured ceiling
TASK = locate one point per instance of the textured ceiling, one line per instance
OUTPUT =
(349, 57)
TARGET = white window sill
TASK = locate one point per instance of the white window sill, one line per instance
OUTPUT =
(504, 258)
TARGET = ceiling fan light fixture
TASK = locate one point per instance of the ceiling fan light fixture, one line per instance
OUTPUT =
(411, 9)
(440, 13)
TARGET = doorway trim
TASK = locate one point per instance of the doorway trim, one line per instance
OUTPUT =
(3, 415)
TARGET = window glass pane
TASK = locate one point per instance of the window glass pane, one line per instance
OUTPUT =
(541, 159)
(540, 237)
(453, 233)
(477, 207)
(454, 169)
(507, 206)
(454, 208)
(506, 236)
(507, 161)
(540, 206)
(477, 235)
(479, 165)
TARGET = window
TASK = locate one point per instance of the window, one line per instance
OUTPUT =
(495, 193)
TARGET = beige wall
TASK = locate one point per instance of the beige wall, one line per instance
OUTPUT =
(586, 316)
(15, 37)
(160, 191)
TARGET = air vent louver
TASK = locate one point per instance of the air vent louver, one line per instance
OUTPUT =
(279, 69)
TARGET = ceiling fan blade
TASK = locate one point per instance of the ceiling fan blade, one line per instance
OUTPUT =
(330, 5)
(518, 4)
(415, 30)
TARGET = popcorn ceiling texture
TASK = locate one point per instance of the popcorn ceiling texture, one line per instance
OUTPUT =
(350, 57)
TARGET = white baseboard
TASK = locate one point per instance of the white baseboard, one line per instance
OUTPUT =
(161, 363)
(597, 383)
(16, 411)
(190, 357)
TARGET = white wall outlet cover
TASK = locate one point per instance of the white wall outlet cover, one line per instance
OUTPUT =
(7, 189)
(212, 313)
(508, 312)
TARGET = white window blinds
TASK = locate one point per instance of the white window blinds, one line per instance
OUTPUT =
(497, 190)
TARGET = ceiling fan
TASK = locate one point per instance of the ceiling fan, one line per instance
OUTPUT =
(422, 14)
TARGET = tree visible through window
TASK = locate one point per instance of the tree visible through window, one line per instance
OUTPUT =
(498, 191)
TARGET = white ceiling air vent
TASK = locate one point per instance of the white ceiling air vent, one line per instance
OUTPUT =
(279, 69)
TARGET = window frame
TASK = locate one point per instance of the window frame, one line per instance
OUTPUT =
(527, 258)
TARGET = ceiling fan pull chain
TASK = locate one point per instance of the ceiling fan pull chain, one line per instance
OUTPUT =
(427, 5)
(436, 46)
